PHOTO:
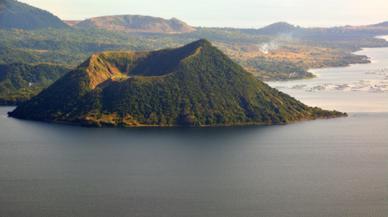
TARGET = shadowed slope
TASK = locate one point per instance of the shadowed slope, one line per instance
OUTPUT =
(14, 14)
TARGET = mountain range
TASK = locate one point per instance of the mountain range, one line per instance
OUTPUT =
(194, 85)
(18, 15)
(135, 23)
(15, 14)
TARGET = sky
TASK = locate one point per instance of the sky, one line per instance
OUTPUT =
(228, 13)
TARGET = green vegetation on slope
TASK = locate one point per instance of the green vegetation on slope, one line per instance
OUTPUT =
(195, 85)
(19, 82)
(71, 46)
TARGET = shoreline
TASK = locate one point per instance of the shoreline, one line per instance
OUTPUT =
(354, 89)
(310, 70)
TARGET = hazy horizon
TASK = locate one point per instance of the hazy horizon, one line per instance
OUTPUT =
(242, 13)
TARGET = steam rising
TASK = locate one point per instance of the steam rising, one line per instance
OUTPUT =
(275, 43)
(267, 47)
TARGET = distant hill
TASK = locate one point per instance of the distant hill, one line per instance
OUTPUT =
(284, 28)
(383, 24)
(136, 23)
(353, 34)
(14, 14)
(277, 28)
(195, 85)
(19, 82)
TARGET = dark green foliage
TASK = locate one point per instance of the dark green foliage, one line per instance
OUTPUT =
(200, 86)
(14, 14)
(19, 82)
(161, 62)
(8, 55)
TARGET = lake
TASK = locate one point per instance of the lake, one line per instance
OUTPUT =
(323, 168)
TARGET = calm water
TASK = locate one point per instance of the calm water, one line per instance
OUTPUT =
(324, 168)
(318, 168)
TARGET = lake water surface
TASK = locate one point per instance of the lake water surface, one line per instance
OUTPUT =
(323, 168)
